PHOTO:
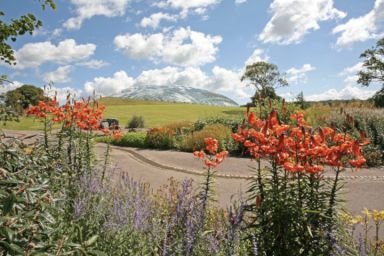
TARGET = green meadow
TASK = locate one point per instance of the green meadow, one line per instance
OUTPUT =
(155, 114)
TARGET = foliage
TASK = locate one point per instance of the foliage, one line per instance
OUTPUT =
(180, 128)
(160, 138)
(370, 221)
(292, 209)
(373, 65)
(265, 77)
(373, 70)
(283, 109)
(130, 220)
(136, 122)
(230, 123)
(378, 98)
(25, 198)
(37, 185)
(17, 27)
(53, 201)
(300, 101)
(7, 114)
(195, 140)
(368, 121)
(130, 139)
(24, 96)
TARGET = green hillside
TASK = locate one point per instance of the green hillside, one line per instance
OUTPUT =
(154, 113)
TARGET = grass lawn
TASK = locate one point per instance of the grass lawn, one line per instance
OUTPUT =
(154, 113)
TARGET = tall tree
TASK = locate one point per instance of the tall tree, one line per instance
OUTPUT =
(24, 96)
(373, 70)
(265, 77)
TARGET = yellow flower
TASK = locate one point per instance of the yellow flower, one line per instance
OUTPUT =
(378, 216)
(28, 150)
(357, 219)
(346, 218)
(367, 214)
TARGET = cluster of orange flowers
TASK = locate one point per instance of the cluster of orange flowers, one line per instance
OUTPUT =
(214, 158)
(43, 109)
(299, 148)
(85, 115)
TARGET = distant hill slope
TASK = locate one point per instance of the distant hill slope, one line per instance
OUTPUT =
(176, 94)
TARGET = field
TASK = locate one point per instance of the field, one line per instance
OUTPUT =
(154, 113)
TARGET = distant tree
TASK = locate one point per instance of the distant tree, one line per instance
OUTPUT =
(16, 27)
(378, 98)
(22, 97)
(373, 70)
(268, 92)
(265, 77)
(300, 101)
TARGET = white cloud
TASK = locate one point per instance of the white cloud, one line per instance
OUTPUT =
(190, 76)
(295, 76)
(60, 75)
(350, 74)
(62, 93)
(197, 6)
(291, 20)
(257, 55)
(154, 20)
(240, 1)
(86, 9)
(10, 86)
(220, 80)
(362, 28)
(352, 70)
(109, 85)
(224, 80)
(183, 47)
(32, 55)
(348, 92)
(94, 64)
(57, 32)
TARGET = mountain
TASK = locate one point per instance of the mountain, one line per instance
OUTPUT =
(183, 94)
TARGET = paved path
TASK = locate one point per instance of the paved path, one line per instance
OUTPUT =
(363, 188)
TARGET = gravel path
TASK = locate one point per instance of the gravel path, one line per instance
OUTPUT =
(363, 188)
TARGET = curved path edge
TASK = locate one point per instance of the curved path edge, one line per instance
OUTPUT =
(143, 159)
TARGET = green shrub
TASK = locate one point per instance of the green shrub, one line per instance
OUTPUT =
(131, 139)
(371, 121)
(378, 98)
(195, 140)
(180, 128)
(136, 122)
(230, 123)
(160, 138)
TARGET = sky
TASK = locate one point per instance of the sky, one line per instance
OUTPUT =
(106, 46)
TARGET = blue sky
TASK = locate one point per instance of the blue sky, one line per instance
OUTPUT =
(110, 45)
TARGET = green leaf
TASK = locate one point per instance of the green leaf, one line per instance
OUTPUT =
(97, 253)
(8, 203)
(14, 248)
(91, 241)
(309, 231)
